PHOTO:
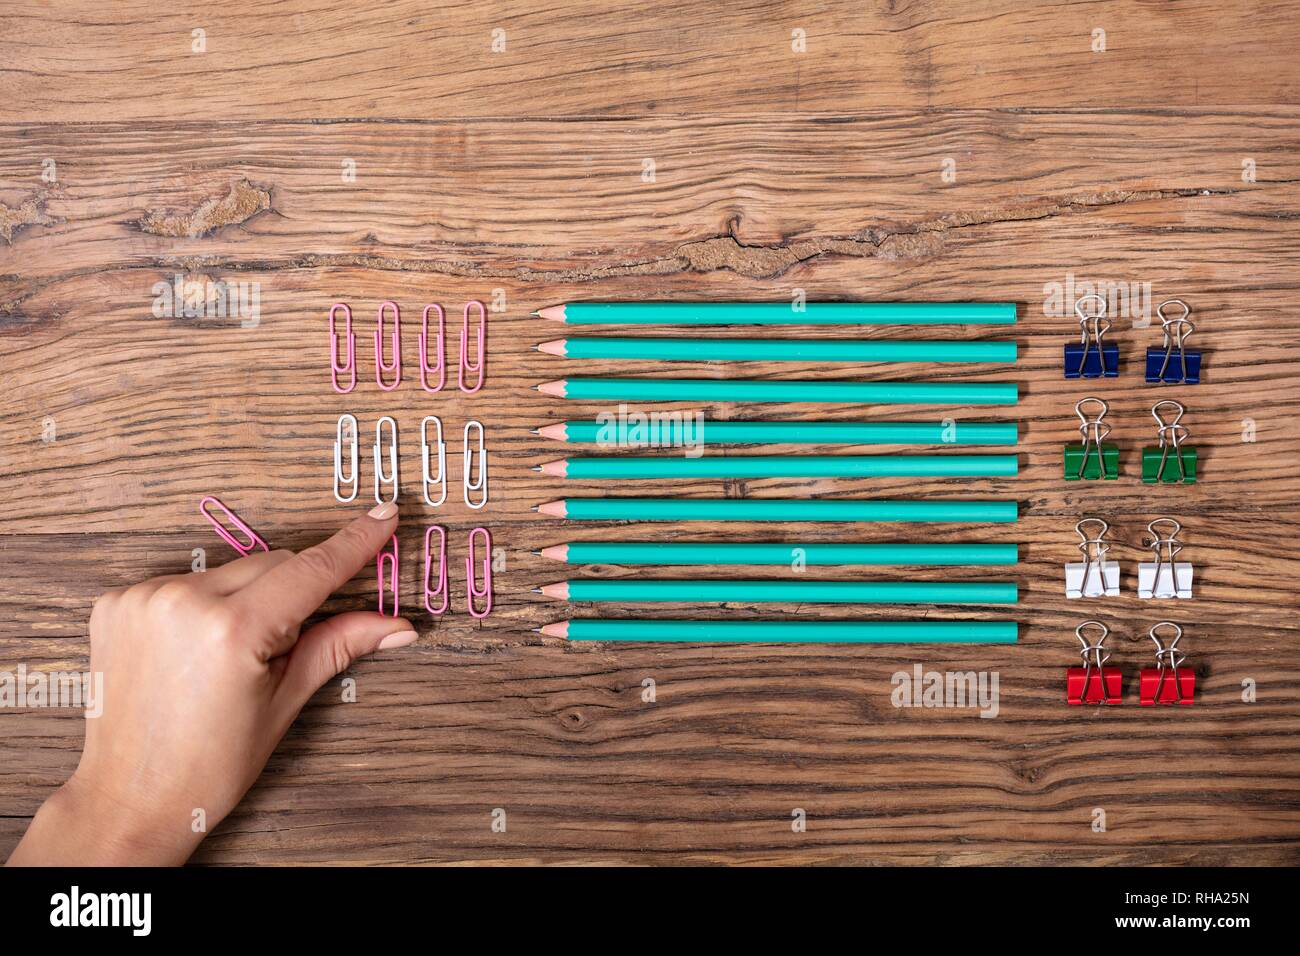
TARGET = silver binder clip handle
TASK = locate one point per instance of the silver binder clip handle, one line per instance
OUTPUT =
(1165, 576)
(469, 483)
(1175, 332)
(1170, 435)
(1093, 432)
(1093, 326)
(1094, 576)
(1168, 660)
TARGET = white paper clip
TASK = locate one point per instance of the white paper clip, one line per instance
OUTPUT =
(467, 460)
(347, 432)
(1094, 576)
(441, 479)
(1165, 577)
(380, 476)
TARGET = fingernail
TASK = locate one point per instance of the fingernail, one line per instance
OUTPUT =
(384, 511)
(400, 639)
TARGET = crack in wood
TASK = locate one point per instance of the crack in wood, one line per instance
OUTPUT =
(917, 240)
(241, 203)
(28, 212)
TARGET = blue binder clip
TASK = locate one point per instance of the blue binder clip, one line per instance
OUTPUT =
(1090, 357)
(1166, 367)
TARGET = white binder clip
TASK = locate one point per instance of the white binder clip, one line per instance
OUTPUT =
(441, 449)
(1165, 577)
(1094, 576)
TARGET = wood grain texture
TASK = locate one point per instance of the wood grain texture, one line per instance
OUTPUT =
(410, 60)
(1124, 167)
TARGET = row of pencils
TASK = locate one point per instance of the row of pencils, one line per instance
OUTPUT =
(679, 431)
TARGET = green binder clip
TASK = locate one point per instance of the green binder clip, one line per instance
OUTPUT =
(1157, 468)
(1094, 458)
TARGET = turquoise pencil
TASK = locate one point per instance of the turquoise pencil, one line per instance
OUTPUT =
(774, 509)
(786, 632)
(741, 390)
(785, 592)
(787, 466)
(781, 313)
(780, 350)
(722, 554)
(674, 429)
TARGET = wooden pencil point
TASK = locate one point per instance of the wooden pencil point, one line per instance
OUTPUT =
(557, 388)
(557, 629)
(556, 469)
(557, 432)
(556, 552)
(557, 509)
(553, 347)
(553, 312)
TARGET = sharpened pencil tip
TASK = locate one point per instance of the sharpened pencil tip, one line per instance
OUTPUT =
(534, 431)
(535, 554)
(536, 468)
(535, 314)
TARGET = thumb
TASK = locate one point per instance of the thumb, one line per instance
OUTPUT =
(329, 648)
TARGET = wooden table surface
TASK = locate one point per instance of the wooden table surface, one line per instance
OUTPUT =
(528, 156)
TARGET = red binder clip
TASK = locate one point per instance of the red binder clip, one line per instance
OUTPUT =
(1094, 682)
(1166, 683)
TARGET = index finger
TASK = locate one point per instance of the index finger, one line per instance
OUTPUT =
(287, 594)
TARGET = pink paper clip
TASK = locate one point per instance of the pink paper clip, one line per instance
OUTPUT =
(442, 590)
(351, 367)
(464, 346)
(441, 368)
(396, 368)
(254, 542)
(471, 592)
(389, 558)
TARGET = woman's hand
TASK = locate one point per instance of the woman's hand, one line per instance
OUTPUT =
(202, 675)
